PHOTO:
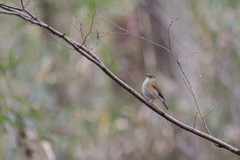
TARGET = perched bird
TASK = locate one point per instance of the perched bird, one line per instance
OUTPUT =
(151, 89)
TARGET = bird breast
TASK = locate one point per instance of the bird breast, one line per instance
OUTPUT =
(148, 90)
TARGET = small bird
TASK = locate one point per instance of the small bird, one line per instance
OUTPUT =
(151, 89)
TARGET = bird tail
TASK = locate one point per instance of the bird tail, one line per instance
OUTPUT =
(164, 102)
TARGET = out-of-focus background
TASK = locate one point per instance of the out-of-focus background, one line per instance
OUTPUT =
(55, 104)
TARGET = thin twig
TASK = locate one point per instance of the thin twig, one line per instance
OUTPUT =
(129, 32)
(51, 35)
(169, 39)
(80, 28)
(15, 3)
(91, 25)
(178, 55)
(22, 4)
(200, 75)
(195, 118)
(186, 85)
(187, 55)
(209, 113)
(193, 95)
(187, 82)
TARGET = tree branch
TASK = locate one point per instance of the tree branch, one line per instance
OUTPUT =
(80, 48)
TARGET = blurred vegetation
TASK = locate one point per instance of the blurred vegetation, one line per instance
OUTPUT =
(57, 102)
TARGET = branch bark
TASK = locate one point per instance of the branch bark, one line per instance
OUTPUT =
(80, 48)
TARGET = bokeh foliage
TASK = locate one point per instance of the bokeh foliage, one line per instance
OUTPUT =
(52, 95)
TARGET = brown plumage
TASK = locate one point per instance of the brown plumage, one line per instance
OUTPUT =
(151, 89)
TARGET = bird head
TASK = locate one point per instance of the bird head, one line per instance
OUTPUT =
(150, 76)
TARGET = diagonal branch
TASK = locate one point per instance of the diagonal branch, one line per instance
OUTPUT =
(80, 48)
(185, 79)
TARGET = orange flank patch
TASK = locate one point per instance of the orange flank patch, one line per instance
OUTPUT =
(151, 86)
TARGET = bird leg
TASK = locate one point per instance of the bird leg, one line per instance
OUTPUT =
(153, 100)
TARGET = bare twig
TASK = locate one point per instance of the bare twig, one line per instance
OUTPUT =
(80, 48)
(80, 29)
(194, 124)
(195, 118)
(184, 81)
(51, 35)
(187, 82)
(113, 33)
(15, 3)
(129, 32)
(36, 14)
(187, 55)
(24, 6)
(200, 75)
(91, 25)
(209, 113)
(195, 61)
(195, 100)
(169, 39)
(178, 55)
(24, 9)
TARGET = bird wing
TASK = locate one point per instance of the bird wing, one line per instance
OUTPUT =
(156, 86)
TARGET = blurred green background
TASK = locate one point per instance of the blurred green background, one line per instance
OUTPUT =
(57, 105)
